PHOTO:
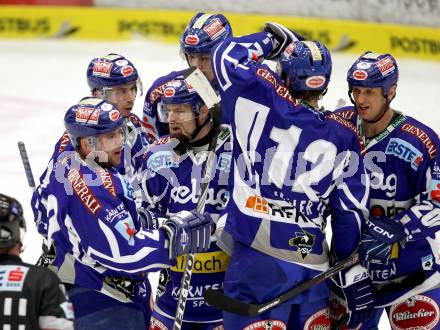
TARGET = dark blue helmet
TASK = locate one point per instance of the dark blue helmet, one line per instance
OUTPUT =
(109, 71)
(11, 221)
(91, 117)
(178, 91)
(203, 32)
(373, 70)
(307, 64)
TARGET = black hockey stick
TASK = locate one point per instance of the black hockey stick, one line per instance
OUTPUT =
(199, 82)
(26, 165)
(228, 304)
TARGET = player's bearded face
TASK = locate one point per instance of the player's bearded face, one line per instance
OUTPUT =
(109, 148)
(202, 62)
(181, 123)
(370, 102)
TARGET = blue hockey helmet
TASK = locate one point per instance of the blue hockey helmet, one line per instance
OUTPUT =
(91, 117)
(373, 70)
(178, 91)
(112, 70)
(203, 32)
(12, 223)
(307, 64)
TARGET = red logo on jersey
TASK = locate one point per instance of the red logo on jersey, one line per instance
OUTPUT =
(15, 275)
(65, 139)
(360, 75)
(266, 325)
(155, 324)
(435, 193)
(130, 231)
(127, 70)
(418, 312)
(257, 204)
(422, 136)
(318, 321)
(315, 81)
(192, 40)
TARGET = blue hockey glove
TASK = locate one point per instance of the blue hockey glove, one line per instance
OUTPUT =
(188, 232)
(377, 241)
(359, 294)
(150, 220)
(282, 38)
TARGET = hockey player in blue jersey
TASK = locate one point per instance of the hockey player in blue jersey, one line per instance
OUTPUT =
(115, 79)
(172, 183)
(288, 170)
(403, 162)
(202, 33)
(103, 250)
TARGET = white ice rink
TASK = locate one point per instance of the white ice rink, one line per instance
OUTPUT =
(41, 79)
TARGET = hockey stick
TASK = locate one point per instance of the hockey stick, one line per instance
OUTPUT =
(199, 82)
(231, 305)
(26, 165)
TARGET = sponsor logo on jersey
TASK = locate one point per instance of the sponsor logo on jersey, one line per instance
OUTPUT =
(87, 115)
(418, 312)
(196, 292)
(127, 70)
(315, 81)
(347, 114)
(12, 277)
(318, 321)
(215, 28)
(405, 151)
(303, 241)
(435, 190)
(183, 194)
(427, 262)
(162, 159)
(64, 141)
(192, 40)
(280, 89)
(385, 65)
(155, 324)
(205, 263)
(384, 183)
(288, 211)
(360, 74)
(350, 125)
(266, 325)
(107, 181)
(126, 228)
(85, 194)
(423, 137)
(102, 69)
(115, 213)
(224, 163)
(163, 140)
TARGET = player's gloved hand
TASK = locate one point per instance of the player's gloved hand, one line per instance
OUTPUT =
(377, 240)
(47, 257)
(151, 220)
(188, 232)
(359, 294)
(282, 37)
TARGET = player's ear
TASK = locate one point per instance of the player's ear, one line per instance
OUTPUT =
(204, 110)
(84, 146)
(392, 92)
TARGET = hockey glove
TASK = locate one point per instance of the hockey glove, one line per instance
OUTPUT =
(359, 294)
(47, 256)
(377, 240)
(282, 37)
(188, 232)
(150, 220)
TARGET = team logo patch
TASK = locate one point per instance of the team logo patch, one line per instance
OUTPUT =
(155, 324)
(215, 28)
(418, 312)
(87, 115)
(12, 277)
(427, 262)
(192, 40)
(435, 190)
(102, 69)
(127, 70)
(303, 241)
(318, 321)
(126, 228)
(266, 325)
(360, 75)
(315, 81)
(257, 204)
(386, 65)
(114, 115)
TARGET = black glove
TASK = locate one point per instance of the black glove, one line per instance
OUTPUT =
(282, 37)
(150, 220)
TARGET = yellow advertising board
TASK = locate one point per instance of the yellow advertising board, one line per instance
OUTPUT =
(88, 23)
